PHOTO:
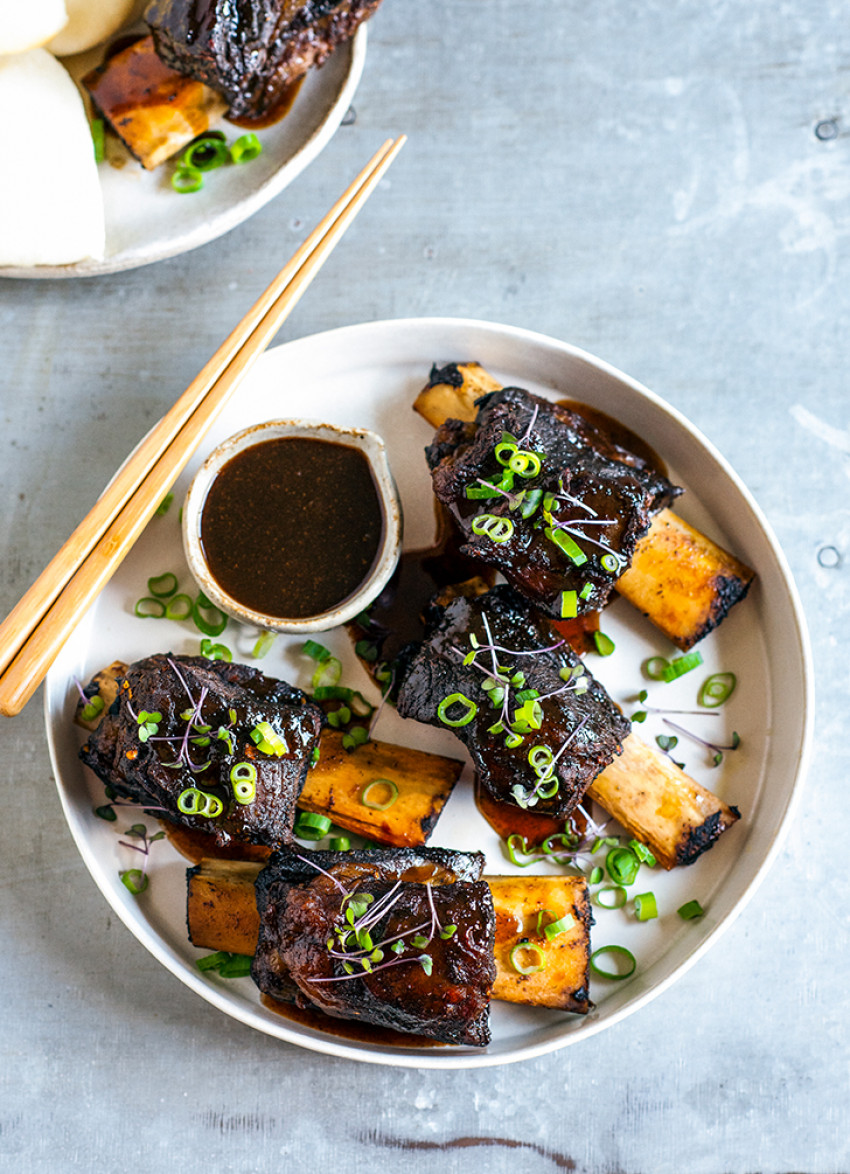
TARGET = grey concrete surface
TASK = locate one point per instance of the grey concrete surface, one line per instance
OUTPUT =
(645, 181)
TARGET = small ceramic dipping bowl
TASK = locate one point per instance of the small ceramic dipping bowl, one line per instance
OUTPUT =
(293, 516)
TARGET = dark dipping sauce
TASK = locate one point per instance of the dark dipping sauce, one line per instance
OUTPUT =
(292, 527)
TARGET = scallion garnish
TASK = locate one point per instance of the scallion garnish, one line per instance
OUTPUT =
(654, 667)
(556, 927)
(205, 153)
(316, 651)
(243, 778)
(680, 665)
(215, 651)
(387, 793)
(716, 689)
(165, 505)
(208, 618)
(193, 801)
(366, 650)
(613, 952)
(569, 605)
(610, 563)
(596, 875)
(623, 866)
(263, 645)
(470, 710)
(186, 180)
(690, 910)
(311, 826)
(328, 672)
(493, 527)
(566, 544)
(267, 740)
(149, 608)
(246, 148)
(529, 966)
(616, 900)
(98, 138)
(340, 844)
(179, 607)
(604, 644)
(135, 880)
(646, 907)
(163, 586)
(642, 852)
(586, 591)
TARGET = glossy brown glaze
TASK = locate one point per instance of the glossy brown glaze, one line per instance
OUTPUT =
(291, 527)
(507, 819)
(364, 1033)
(615, 438)
(277, 110)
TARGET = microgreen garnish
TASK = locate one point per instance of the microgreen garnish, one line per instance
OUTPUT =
(136, 879)
(711, 746)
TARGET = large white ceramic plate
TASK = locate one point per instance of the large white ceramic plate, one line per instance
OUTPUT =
(146, 220)
(367, 376)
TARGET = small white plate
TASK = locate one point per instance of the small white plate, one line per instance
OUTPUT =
(367, 376)
(146, 220)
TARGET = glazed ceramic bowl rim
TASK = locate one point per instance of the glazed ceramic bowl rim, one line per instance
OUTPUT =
(372, 447)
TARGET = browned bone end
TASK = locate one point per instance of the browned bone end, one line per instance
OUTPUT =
(335, 785)
(676, 817)
(451, 392)
(682, 581)
(221, 914)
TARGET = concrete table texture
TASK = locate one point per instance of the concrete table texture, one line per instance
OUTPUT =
(668, 186)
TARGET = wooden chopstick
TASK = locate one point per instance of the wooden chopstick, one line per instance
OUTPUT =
(35, 630)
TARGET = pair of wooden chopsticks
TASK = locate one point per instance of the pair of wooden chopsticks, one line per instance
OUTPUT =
(40, 623)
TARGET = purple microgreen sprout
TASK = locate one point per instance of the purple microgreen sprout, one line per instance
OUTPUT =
(711, 746)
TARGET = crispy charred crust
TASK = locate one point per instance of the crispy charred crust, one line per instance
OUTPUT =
(595, 480)
(249, 50)
(701, 838)
(140, 771)
(452, 391)
(300, 906)
(588, 722)
(451, 374)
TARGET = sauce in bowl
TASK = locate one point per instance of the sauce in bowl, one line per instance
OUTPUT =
(292, 527)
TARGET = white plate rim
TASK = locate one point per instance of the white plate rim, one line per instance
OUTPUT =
(422, 1058)
(222, 222)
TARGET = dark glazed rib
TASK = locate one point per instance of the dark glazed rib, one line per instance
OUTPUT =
(578, 722)
(604, 497)
(249, 50)
(171, 686)
(416, 895)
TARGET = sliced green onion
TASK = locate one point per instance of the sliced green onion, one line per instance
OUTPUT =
(513, 740)
(243, 778)
(527, 947)
(604, 842)
(566, 544)
(215, 651)
(610, 563)
(149, 608)
(586, 591)
(195, 802)
(504, 451)
(165, 505)
(328, 672)
(98, 138)
(596, 875)
(716, 689)
(263, 645)
(617, 899)
(512, 845)
(493, 527)
(211, 624)
(604, 644)
(340, 844)
(205, 154)
(646, 906)
(569, 605)
(236, 966)
(655, 667)
(162, 586)
(135, 880)
(642, 852)
(680, 665)
(267, 740)
(690, 910)
(212, 961)
(613, 952)
(623, 866)
(456, 699)
(179, 607)
(246, 148)
(316, 651)
(555, 928)
(311, 826)
(367, 796)
(366, 650)
(525, 464)
(186, 180)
